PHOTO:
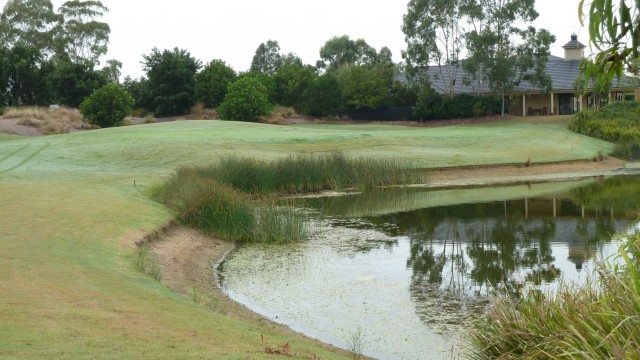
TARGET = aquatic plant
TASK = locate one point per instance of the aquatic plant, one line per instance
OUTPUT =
(596, 321)
(219, 209)
(309, 173)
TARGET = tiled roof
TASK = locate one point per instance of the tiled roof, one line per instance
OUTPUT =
(563, 76)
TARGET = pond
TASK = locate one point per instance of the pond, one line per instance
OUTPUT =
(399, 274)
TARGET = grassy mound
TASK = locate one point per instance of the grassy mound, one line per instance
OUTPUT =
(592, 322)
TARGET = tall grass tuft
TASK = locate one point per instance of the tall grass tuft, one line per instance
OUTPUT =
(278, 224)
(221, 199)
(598, 321)
(48, 121)
(208, 205)
(310, 173)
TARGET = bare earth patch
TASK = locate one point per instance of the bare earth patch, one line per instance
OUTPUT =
(11, 126)
(522, 173)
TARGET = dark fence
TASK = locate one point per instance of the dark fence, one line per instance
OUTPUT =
(386, 114)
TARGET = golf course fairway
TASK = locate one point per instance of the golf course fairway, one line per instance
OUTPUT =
(71, 207)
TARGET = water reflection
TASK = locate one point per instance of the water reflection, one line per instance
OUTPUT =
(460, 253)
(412, 265)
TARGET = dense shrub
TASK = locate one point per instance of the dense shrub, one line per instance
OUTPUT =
(246, 99)
(618, 122)
(107, 106)
(431, 105)
(212, 82)
(321, 97)
(266, 80)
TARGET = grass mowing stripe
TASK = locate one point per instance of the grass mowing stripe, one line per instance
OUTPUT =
(27, 159)
(11, 154)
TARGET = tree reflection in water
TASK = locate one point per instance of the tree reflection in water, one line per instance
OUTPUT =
(460, 254)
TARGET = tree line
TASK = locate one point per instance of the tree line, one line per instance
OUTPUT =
(49, 56)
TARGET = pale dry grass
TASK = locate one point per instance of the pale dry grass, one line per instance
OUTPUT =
(49, 121)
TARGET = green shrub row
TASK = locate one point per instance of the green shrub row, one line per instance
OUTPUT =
(600, 321)
(618, 122)
(431, 105)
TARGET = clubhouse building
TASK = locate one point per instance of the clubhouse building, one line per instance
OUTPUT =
(528, 100)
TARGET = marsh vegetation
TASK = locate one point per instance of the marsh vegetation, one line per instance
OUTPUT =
(233, 198)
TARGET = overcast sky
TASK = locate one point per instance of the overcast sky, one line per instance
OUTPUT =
(231, 30)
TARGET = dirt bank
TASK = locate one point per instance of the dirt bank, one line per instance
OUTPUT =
(188, 261)
(526, 173)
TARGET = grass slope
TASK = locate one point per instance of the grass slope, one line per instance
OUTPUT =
(70, 209)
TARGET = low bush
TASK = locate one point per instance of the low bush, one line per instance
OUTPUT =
(246, 99)
(107, 106)
(597, 321)
(618, 122)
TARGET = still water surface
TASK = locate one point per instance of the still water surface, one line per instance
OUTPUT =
(401, 273)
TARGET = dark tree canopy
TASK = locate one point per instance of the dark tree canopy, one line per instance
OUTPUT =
(291, 81)
(71, 82)
(170, 81)
(212, 82)
(25, 74)
(339, 51)
(321, 97)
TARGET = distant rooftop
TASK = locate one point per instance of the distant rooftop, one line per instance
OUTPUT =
(574, 43)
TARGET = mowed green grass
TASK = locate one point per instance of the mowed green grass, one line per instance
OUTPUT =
(69, 211)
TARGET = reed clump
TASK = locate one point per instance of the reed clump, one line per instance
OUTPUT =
(217, 208)
(231, 198)
(597, 321)
(310, 173)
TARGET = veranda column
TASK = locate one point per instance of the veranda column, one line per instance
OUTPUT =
(552, 111)
(524, 105)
